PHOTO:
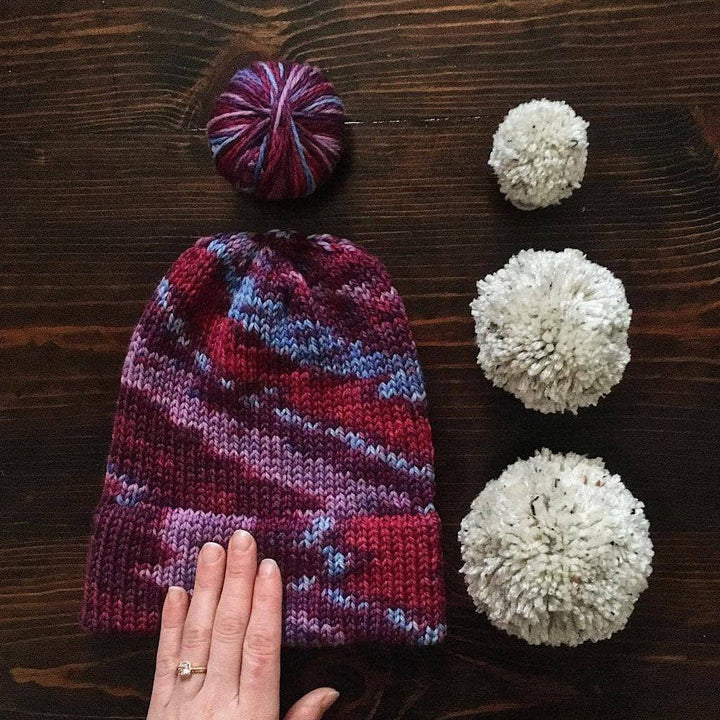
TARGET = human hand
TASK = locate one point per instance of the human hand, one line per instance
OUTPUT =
(233, 627)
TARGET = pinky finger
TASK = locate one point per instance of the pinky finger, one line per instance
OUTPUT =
(171, 630)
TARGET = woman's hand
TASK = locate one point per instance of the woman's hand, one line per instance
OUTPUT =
(232, 626)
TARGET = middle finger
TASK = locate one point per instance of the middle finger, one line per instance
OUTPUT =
(233, 611)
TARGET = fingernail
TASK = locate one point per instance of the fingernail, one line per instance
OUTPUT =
(211, 552)
(174, 593)
(330, 697)
(268, 567)
(242, 539)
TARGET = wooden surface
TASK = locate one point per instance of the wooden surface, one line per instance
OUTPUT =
(105, 177)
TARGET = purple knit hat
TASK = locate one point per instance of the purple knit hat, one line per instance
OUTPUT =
(272, 384)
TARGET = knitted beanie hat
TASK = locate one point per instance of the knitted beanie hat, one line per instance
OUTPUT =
(272, 384)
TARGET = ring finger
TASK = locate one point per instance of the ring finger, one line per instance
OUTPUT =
(195, 647)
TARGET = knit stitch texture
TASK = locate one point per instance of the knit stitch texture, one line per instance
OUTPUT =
(272, 384)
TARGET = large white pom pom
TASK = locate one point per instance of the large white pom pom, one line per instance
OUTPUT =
(556, 550)
(539, 153)
(552, 329)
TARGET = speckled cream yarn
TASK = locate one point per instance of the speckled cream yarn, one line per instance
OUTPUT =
(552, 329)
(539, 153)
(556, 550)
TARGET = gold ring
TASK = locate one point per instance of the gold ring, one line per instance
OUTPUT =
(185, 669)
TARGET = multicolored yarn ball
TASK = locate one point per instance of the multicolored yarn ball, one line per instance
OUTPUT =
(276, 131)
(273, 385)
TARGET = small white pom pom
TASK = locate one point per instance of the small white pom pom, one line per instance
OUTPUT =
(539, 153)
(556, 550)
(552, 329)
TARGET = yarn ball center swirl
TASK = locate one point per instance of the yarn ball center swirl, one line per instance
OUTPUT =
(276, 130)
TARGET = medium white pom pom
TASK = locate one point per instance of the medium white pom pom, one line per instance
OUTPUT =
(552, 329)
(556, 550)
(539, 153)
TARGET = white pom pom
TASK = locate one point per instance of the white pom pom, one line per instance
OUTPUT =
(556, 550)
(539, 153)
(552, 329)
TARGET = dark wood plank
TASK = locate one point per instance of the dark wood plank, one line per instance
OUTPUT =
(136, 65)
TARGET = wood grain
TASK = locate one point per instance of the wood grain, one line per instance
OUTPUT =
(133, 65)
(105, 178)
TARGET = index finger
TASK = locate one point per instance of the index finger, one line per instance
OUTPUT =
(260, 671)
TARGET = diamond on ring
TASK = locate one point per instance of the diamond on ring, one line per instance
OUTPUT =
(185, 669)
